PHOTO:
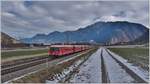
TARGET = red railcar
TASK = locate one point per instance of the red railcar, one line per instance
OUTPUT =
(61, 50)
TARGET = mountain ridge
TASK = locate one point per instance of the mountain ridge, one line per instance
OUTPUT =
(99, 32)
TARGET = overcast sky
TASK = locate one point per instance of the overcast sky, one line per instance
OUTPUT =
(22, 19)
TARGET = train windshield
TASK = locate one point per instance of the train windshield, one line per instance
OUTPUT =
(54, 49)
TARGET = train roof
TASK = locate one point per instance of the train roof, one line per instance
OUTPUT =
(67, 45)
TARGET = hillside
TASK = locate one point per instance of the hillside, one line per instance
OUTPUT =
(10, 42)
(6, 39)
(142, 39)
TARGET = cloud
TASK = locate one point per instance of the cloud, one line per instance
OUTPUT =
(27, 18)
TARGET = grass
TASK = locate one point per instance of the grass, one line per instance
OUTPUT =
(137, 56)
(22, 53)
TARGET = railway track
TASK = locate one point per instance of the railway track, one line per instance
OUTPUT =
(12, 72)
(114, 71)
(17, 65)
(6, 69)
(23, 64)
(9, 67)
(21, 61)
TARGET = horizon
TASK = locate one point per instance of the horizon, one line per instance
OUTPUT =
(24, 22)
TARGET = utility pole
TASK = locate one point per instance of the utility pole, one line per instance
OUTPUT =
(47, 62)
(47, 59)
(67, 38)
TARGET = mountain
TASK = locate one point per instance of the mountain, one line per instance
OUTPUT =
(99, 32)
(6, 39)
(142, 39)
(10, 42)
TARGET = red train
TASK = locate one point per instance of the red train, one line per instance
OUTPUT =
(61, 50)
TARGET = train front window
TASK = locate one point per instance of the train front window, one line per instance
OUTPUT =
(54, 49)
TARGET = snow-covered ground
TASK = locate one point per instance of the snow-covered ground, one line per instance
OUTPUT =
(115, 72)
(90, 71)
(139, 71)
(62, 76)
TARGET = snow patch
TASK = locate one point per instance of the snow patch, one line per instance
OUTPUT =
(90, 71)
(115, 72)
(62, 76)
